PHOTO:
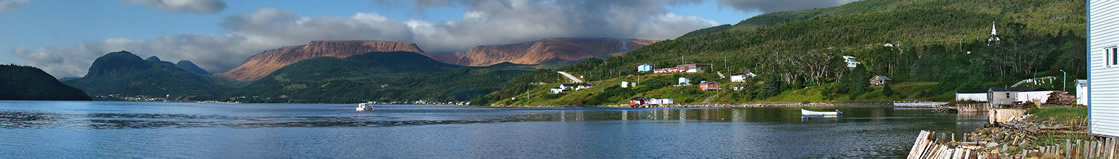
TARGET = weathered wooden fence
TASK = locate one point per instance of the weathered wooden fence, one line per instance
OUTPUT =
(929, 146)
(1103, 148)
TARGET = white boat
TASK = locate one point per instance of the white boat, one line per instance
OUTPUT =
(365, 107)
(818, 114)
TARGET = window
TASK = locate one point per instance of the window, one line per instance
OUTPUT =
(1115, 56)
(1007, 95)
(1111, 56)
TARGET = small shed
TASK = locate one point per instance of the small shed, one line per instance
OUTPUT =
(879, 80)
(582, 86)
(851, 62)
(684, 81)
(644, 68)
(1082, 92)
(709, 86)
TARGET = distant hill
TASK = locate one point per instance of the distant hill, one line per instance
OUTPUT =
(543, 51)
(190, 67)
(262, 64)
(380, 76)
(126, 74)
(30, 83)
(153, 59)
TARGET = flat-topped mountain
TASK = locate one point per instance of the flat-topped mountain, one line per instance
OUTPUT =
(542, 51)
(380, 76)
(264, 63)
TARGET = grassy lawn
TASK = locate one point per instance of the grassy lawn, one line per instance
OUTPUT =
(1071, 116)
(1066, 116)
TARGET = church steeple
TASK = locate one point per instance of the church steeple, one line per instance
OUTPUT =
(993, 31)
(994, 35)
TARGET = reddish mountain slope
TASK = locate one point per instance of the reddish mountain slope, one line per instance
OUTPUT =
(262, 64)
(541, 51)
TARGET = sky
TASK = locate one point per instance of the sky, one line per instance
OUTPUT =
(64, 37)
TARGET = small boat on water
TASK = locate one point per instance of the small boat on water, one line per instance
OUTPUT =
(818, 114)
(365, 107)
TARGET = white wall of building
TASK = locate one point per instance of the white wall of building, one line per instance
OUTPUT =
(978, 97)
(1024, 97)
(1103, 81)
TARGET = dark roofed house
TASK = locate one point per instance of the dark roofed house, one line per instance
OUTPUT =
(879, 80)
(709, 86)
(1008, 96)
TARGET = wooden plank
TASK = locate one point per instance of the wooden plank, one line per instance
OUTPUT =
(920, 145)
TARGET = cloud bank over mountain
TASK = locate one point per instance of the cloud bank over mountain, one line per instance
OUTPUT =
(484, 22)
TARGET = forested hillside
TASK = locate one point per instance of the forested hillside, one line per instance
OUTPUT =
(377, 76)
(30, 83)
(936, 47)
(124, 73)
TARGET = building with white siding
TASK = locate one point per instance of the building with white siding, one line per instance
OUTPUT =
(1081, 92)
(971, 95)
(1103, 66)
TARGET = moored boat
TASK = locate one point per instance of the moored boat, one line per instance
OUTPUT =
(818, 114)
(365, 107)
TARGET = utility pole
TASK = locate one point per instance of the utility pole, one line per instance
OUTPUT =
(1064, 79)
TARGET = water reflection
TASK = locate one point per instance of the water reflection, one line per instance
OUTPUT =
(406, 117)
(187, 130)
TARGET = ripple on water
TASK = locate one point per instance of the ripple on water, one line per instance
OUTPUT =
(142, 120)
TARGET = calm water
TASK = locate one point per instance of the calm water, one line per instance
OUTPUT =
(59, 129)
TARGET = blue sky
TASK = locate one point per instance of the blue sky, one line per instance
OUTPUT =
(44, 33)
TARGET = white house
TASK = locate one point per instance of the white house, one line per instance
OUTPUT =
(582, 86)
(644, 68)
(1103, 66)
(567, 86)
(683, 81)
(742, 77)
(1081, 92)
(1006, 96)
(557, 90)
(971, 95)
(737, 78)
(851, 62)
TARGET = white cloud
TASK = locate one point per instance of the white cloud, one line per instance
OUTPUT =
(188, 6)
(7, 5)
(485, 22)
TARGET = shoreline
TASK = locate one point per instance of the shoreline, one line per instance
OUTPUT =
(741, 105)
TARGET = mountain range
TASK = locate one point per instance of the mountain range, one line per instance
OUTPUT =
(126, 74)
(378, 76)
(543, 51)
(262, 64)
(528, 53)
